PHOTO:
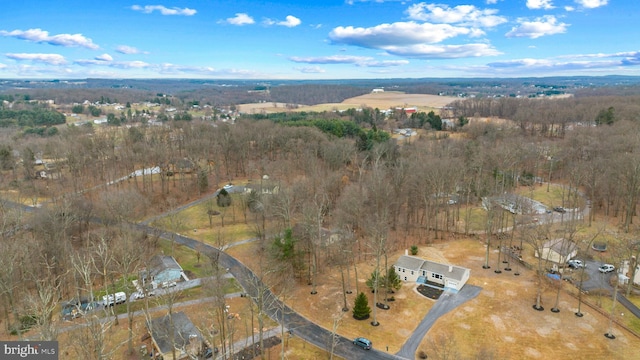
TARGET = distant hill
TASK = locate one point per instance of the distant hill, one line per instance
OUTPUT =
(309, 92)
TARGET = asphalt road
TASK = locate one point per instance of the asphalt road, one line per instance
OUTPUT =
(274, 308)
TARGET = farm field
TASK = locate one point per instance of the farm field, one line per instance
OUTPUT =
(385, 100)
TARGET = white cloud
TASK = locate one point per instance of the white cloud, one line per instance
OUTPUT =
(147, 9)
(42, 36)
(311, 70)
(591, 4)
(104, 57)
(384, 63)
(2, 66)
(51, 59)
(547, 25)
(291, 21)
(396, 34)
(465, 15)
(569, 8)
(124, 49)
(540, 4)
(334, 59)
(427, 51)
(362, 61)
(491, 2)
(130, 64)
(240, 19)
(568, 63)
(410, 39)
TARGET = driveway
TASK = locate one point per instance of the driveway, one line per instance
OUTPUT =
(594, 279)
(448, 301)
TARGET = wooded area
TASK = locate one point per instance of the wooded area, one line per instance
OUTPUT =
(377, 195)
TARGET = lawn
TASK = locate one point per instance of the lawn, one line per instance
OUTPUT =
(551, 198)
(225, 229)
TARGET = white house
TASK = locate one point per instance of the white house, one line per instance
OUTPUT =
(414, 269)
(627, 269)
(558, 251)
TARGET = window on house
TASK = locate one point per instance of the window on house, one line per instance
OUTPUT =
(436, 276)
(411, 272)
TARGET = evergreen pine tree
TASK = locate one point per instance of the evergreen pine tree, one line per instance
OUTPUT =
(361, 309)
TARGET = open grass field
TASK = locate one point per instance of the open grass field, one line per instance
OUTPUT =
(385, 100)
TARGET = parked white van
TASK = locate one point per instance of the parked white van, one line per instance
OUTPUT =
(112, 299)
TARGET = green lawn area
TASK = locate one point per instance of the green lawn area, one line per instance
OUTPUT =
(477, 218)
(551, 198)
(226, 228)
(186, 257)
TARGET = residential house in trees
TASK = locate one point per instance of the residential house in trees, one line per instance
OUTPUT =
(176, 331)
(263, 186)
(431, 273)
(163, 269)
(558, 251)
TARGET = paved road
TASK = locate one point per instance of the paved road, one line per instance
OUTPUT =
(447, 302)
(300, 325)
(274, 308)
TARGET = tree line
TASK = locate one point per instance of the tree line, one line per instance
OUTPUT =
(373, 191)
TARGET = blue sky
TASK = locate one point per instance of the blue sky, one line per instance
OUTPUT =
(334, 39)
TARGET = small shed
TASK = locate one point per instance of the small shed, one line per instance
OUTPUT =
(558, 251)
(176, 331)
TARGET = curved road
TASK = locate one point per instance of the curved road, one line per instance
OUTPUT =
(274, 308)
(280, 312)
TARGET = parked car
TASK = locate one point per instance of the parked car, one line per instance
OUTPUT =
(228, 186)
(363, 343)
(168, 284)
(140, 294)
(559, 209)
(606, 268)
(576, 264)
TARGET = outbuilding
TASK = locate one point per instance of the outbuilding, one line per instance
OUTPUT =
(558, 251)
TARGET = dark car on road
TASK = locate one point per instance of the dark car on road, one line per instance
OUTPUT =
(559, 209)
(363, 343)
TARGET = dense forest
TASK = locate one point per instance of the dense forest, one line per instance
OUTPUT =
(329, 172)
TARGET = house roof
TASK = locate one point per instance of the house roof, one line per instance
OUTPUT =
(415, 263)
(409, 262)
(449, 271)
(160, 263)
(561, 246)
(183, 330)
